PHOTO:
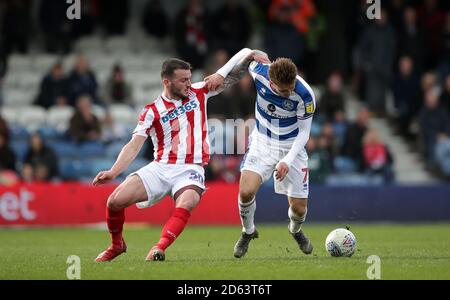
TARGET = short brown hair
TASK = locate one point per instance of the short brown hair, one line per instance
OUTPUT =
(282, 71)
(170, 65)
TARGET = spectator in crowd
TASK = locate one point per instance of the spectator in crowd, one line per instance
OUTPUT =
(411, 38)
(281, 30)
(327, 133)
(301, 12)
(86, 25)
(433, 19)
(81, 81)
(7, 156)
(444, 62)
(4, 129)
(333, 98)
(232, 27)
(434, 124)
(442, 155)
(377, 159)
(319, 163)
(16, 25)
(154, 19)
(117, 90)
(84, 125)
(57, 29)
(352, 147)
(114, 16)
(191, 33)
(377, 61)
(53, 89)
(406, 90)
(445, 96)
(41, 163)
(3, 68)
(340, 126)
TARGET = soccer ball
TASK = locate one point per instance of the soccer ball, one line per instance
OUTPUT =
(341, 242)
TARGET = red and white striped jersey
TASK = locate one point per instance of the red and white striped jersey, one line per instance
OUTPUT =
(178, 128)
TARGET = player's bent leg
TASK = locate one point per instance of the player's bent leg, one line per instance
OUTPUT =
(297, 215)
(248, 187)
(129, 192)
(186, 199)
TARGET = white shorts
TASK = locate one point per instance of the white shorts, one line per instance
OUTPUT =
(161, 180)
(262, 158)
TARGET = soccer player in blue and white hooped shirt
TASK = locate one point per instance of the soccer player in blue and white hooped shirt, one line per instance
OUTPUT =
(285, 105)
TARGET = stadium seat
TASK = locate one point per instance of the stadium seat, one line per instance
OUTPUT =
(9, 114)
(118, 44)
(344, 165)
(42, 63)
(90, 44)
(18, 132)
(70, 169)
(90, 150)
(32, 117)
(65, 149)
(49, 133)
(20, 148)
(18, 97)
(123, 114)
(99, 165)
(20, 62)
(99, 112)
(113, 150)
(59, 116)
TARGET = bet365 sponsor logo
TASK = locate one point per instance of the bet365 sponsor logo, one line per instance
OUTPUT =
(16, 206)
(187, 107)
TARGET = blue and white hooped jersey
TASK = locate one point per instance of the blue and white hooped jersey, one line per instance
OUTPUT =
(276, 116)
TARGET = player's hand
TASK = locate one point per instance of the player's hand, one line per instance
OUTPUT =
(261, 58)
(103, 177)
(281, 171)
(214, 82)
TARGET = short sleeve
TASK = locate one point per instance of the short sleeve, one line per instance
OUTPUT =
(308, 108)
(145, 122)
(201, 87)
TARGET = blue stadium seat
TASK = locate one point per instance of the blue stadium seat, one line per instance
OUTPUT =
(64, 149)
(344, 165)
(18, 132)
(20, 148)
(49, 133)
(70, 169)
(98, 165)
(91, 149)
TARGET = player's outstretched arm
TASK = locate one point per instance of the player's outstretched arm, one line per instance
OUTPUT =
(126, 156)
(234, 69)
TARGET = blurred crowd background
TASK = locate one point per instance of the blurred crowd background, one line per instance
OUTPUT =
(71, 90)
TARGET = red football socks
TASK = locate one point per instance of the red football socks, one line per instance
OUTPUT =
(173, 228)
(115, 220)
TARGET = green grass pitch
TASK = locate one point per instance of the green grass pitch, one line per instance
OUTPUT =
(407, 251)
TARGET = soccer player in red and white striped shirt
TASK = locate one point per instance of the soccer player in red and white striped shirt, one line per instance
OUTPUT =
(176, 121)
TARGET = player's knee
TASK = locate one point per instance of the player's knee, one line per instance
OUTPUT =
(299, 209)
(188, 200)
(114, 202)
(246, 195)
